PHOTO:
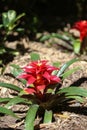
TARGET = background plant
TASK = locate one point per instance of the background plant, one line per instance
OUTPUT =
(51, 96)
(75, 38)
(10, 21)
(75, 9)
(70, 43)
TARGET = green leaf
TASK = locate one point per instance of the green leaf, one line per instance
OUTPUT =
(7, 111)
(47, 116)
(3, 69)
(69, 72)
(56, 35)
(10, 86)
(15, 66)
(20, 29)
(78, 98)
(2, 50)
(5, 99)
(1, 25)
(11, 15)
(16, 70)
(54, 72)
(49, 90)
(44, 38)
(9, 19)
(31, 114)
(11, 51)
(65, 66)
(77, 46)
(35, 56)
(56, 64)
(19, 16)
(16, 100)
(5, 19)
(73, 91)
(53, 35)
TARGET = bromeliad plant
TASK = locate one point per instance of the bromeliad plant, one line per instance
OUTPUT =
(42, 92)
(81, 43)
(75, 38)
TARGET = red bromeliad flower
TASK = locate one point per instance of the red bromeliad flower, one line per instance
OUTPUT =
(38, 75)
(81, 26)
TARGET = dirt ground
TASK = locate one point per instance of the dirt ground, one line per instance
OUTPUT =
(73, 117)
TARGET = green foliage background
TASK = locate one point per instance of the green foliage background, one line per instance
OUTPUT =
(46, 14)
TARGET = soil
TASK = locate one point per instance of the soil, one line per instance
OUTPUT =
(72, 117)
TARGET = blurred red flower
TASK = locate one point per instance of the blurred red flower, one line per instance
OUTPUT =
(38, 75)
(81, 26)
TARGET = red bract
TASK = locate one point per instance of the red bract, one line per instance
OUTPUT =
(82, 27)
(38, 75)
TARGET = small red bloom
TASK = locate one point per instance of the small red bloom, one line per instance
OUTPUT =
(39, 75)
(81, 26)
